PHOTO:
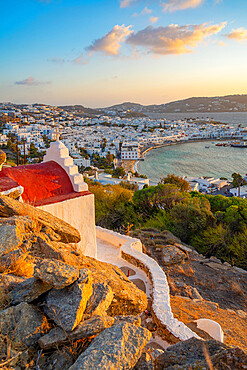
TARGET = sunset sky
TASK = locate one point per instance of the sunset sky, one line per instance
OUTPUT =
(102, 52)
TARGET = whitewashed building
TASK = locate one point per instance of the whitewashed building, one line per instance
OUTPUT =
(130, 151)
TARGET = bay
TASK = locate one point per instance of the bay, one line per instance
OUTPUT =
(194, 159)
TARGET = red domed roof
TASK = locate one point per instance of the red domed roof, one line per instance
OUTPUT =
(43, 183)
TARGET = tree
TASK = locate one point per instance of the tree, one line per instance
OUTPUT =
(109, 158)
(154, 198)
(182, 184)
(129, 186)
(118, 172)
(237, 181)
(190, 217)
(33, 151)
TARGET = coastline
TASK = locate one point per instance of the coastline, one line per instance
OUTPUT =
(180, 142)
(185, 142)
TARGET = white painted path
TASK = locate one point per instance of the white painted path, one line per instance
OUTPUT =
(109, 253)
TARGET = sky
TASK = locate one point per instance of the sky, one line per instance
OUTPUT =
(103, 52)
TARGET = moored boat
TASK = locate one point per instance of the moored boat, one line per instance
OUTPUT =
(241, 144)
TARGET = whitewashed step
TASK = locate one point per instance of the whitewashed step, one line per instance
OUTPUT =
(78, 178)
(68, 161)
(63, 153)
(72, 170)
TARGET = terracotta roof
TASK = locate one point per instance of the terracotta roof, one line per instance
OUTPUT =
(43, 183)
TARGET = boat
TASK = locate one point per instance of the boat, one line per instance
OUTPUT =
(241, 144)
(218, 144)
(207, 147)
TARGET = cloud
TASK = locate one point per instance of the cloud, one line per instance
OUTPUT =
(144, 11)
(153, 19)
(173, 39)
(30, 81)
(170, 5)
(56, 60)
(125, 3)
(82, 59)
(110, 43)
(173, 5)
(239, 34)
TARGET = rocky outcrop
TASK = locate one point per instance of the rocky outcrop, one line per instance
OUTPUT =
(8, 282)
(59, 286)
(198, 354)
(23, 325)
(60, 359)
(55, 273)
(10, 238)
(28, 291)
(187, 291)
(172, 255)
(66, 306)
(100, 300)
(128, 299)
(135, 320)
(118, 347)
(43, 246)
(85, 329)
(10, 207)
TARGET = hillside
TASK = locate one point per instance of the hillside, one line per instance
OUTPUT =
(80, 110)
(62, 310)
(229, 103)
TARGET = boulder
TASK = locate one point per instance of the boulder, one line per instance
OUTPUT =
(100, 300)
(187, 291)
(135, 320)
(215, 259)
(8, 282)
(196, 354)
(66, 306)
(10, 207)
(11, 238)
(87, 328)
(54, 338)
(24, 223)
(23, 325)
(128, 299)
(216, 266)
(28, 290)
(172, 255)
(43, 247)
(60, 359)
(144, 362)
(55, 273)
(118, 347)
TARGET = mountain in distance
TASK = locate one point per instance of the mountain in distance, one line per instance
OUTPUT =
(229, 103)
(80, 110)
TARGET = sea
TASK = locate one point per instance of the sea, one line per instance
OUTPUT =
(197, 158)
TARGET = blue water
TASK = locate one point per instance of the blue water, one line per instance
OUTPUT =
(193, 159)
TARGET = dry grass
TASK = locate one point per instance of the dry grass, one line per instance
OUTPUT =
(233, 325)
(4, 302)
(185, 270)
(21, 266)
